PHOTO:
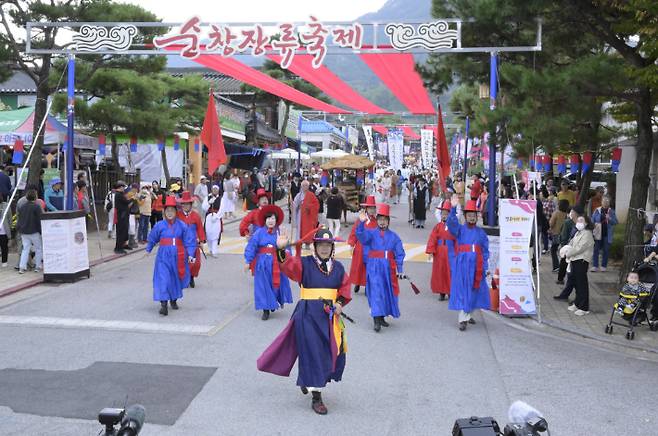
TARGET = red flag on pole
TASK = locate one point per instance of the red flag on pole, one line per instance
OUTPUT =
(442, 155)
(211, 137)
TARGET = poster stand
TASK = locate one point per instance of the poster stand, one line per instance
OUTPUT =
(65, 248)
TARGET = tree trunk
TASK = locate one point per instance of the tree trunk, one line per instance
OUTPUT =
(165, 166)
(634, 237)
(115, 157)
(40, 112)
(284, 124)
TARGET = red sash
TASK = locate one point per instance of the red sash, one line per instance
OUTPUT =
(276, 271)
(180, 251)
(381, 254)
(479, 260)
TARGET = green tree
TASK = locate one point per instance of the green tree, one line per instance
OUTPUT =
(585, 43)
(15, 14)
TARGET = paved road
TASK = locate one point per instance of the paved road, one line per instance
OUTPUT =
(195, 370)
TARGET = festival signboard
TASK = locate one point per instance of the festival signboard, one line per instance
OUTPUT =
(517, 296)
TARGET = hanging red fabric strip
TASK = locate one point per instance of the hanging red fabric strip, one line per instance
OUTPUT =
(409, 132)
(329, 83)
(239, 71)
(398, 72)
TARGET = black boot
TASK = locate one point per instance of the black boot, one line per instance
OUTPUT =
(462, 325)
(174, 304)
(304, 389)
(471, 321)
(317, 405)
(356, 289)
(383, 322)
(378, 325)
(191, 282)
(442, 297)
(163, 308)
(266, 315)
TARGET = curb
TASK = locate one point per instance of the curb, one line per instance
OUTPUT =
(575, 332)
(93, 263)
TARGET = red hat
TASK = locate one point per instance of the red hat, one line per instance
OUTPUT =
(471, 206)
(186, 198)
(170, 201)
(370, 201)
(261, 192)
(384, 209)
(267, 210)
(446, 205)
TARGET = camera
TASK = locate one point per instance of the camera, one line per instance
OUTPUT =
(524, 421)
(130, 420)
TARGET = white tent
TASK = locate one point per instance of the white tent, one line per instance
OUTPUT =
(328, 154)
(288, 153)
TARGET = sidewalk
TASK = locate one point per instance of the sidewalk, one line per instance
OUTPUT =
(603, 293)
(11, 281)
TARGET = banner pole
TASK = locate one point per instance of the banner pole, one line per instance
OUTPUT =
(93, 201)
(534, 190)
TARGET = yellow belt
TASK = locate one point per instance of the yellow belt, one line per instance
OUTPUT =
(316, 293)
(327, 294)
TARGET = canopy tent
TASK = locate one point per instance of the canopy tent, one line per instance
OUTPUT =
(328, 153)
(348, 162)
(18, 124)
(288, 154)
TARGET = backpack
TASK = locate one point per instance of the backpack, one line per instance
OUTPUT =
(109, 202)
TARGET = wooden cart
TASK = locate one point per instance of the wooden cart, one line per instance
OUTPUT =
(350, 191)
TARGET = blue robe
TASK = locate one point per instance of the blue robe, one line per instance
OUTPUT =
(266, 297)
(167, 284)
(379, 288)
(462, 295)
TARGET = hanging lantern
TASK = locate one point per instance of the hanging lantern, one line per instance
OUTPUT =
(574, 163)
(587, 160)
(616, 159)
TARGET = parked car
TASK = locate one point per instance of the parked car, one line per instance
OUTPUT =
(599, 178)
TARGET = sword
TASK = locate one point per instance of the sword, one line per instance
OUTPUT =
(203, 252)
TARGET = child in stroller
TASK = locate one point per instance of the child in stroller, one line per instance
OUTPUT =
(635, 299)
(630, 297)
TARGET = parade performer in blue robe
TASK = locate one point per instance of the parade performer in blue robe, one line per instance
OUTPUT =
(315, 332)
(271, 286)
(171, 272)
(468, 287)
(383, 254)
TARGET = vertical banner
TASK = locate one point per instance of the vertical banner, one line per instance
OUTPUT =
(382, 146)
(426, 147)
(367, 131)
(395, 148)
(516, 288)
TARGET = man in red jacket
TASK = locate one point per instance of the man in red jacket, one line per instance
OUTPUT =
(441, 250)
(248, 225)
(193, 220)
(358, 267)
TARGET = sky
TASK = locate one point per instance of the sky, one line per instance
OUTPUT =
(259, 10)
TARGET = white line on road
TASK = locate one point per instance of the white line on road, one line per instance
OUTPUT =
(100, 324)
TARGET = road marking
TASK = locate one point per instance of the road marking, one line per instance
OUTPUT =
(415, 252)
(100, 324)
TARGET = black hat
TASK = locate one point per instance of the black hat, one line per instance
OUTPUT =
(323, 235)
(579, 210)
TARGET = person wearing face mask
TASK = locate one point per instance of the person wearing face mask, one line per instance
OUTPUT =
(468, 287)
(271, 286)
(568, 232)
(578, 253)
(193, 220)
(171, 272)
(441, 251)
(358, 266)
(383, 254)
(315, 333)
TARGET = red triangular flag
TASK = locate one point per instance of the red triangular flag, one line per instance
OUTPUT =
(442, 155)
(211, 137)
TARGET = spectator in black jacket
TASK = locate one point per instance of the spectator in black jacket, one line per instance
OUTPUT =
(335, 204)
(122, 205)
(29, 226)
(5, 183)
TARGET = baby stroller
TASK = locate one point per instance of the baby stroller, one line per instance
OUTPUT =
(633, 309)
